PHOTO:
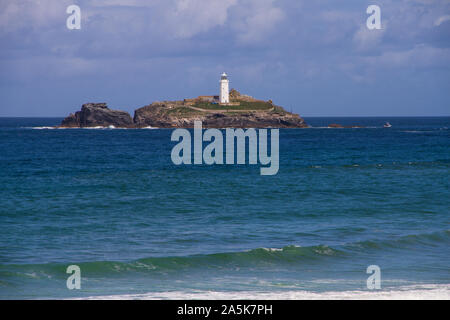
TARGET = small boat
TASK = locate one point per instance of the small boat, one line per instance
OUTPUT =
(387, 125)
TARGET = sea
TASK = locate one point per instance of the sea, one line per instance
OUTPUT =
(347, 208)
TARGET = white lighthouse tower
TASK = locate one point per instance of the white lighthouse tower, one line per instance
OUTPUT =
(224, 89)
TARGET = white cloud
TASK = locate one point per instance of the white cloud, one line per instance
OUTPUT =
(420, 56)
(191, 17)
(366, 39)
(255, 19)
(441, 20)
(18, 14)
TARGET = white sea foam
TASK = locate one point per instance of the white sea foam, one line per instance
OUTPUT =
(419, 131)
(272, 249)
(66, 128)
(42, 128)
(342, 127)
(411, 292)
(97, 127)
(110, 127)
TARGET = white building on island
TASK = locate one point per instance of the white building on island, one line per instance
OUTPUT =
(224, 89)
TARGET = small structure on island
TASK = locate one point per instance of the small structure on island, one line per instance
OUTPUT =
(224, 89)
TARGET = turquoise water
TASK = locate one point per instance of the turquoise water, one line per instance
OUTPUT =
(112, 202)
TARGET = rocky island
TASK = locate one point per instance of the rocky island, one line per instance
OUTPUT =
(97, 115)
(240, 111)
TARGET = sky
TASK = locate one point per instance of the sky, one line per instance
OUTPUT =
(315, 58)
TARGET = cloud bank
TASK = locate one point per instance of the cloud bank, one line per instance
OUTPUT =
(316, 57)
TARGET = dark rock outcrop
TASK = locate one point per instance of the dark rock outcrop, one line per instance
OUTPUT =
(97, 114)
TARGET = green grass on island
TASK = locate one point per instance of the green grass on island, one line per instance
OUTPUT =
(244, 105)
(187, 111)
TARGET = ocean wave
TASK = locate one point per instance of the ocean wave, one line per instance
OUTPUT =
(410, 292)
(292, 254)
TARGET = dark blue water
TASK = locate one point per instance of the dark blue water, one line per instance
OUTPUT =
(112, 202)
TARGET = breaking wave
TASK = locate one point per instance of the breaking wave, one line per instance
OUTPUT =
(291, 254)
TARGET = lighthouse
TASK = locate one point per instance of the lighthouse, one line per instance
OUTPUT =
(224, 89)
